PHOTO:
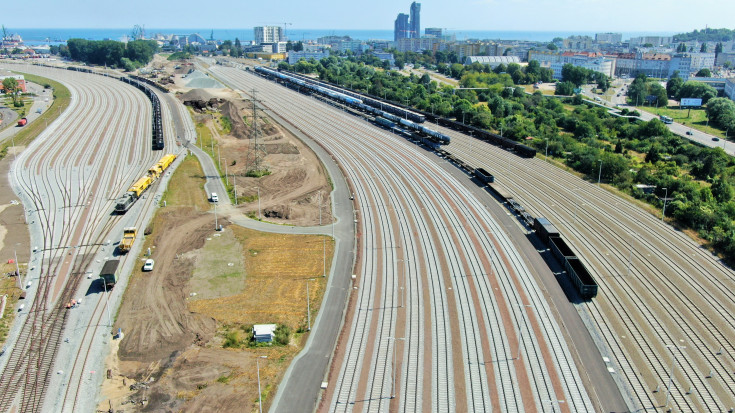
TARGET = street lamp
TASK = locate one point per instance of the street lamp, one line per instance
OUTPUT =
(215, 217)
(599, 176)
(308, 306)
(671, 371)
(259, 216)
(663, 211)
(547, 149)
(227, 178)
(260, 397)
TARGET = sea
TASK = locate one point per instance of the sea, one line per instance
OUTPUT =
(56, 36)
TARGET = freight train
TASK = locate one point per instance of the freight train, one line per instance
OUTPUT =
(578, 274)
(367, 100)
(583, 281)
(157, 123)
(141, 83)
(355, 101)
(126, 201)
(486, 136)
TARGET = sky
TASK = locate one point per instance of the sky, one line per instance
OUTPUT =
(676, 16)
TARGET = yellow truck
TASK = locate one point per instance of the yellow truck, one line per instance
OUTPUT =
(127, 240)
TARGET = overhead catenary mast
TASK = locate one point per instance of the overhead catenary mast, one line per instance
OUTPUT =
(256, 151)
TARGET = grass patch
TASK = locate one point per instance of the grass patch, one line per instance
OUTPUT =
(226, 124)
(277, 267)
(8, 285)
(697, 119)
(62, 98)
(220, 270)
(186, 187)
(257, 173)
(179, 56)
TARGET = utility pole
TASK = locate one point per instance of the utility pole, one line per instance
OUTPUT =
(308, 307)
(256, 152)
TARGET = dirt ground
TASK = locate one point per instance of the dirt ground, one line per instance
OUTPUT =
(209, 287)
(14, 239)
(290, 194)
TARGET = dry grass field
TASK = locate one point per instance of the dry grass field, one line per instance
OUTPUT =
(277, 268)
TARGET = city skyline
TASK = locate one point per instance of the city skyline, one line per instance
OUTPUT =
(541, 15)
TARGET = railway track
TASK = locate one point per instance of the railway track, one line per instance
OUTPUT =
(70, 175)
(675, 294)
(463, 312)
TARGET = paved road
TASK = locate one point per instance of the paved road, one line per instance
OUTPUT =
(39, 102)
(693, 135)
(300, 386)
(301, 382)
(683, 130)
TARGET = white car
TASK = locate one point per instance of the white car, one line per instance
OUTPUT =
(214, 197)
(148, 266)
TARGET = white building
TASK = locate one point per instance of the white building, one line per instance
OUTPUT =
(268, 34)
(730, 88)
(493, 61)
(611, 38)
(264, 333)
(653, 40)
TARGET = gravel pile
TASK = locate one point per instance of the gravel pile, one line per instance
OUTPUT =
(199, 80)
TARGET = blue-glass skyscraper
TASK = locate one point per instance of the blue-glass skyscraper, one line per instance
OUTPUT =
(415, 23)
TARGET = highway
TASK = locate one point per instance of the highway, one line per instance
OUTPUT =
(440, 288)
(68, 179)
(686, 132)
(659, 291)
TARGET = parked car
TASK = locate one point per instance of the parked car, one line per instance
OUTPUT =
(148, 266)
(214, 197)
(689, 132)
(715, 139)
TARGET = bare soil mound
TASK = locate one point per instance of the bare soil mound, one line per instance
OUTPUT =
(199, 99)
(161, 323)
(232, 111)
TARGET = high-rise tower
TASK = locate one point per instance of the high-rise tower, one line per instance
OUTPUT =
(401, 29)
(415, 24)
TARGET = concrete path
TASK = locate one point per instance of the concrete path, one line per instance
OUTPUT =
(300, 388)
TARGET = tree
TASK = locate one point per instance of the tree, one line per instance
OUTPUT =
(703, 49)
(673, 85)
(551, 46)
(718, 48)
(564, 88)
(574, 74)
(722, 190)
(694, 89)
(681, 48)
(603, 83)
(237, 49)
(10, 86)
(722, 112)
(704, 72)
